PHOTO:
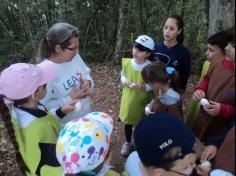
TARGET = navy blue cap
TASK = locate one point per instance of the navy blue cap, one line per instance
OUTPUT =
(158, 134)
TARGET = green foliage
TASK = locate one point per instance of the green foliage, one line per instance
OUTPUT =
(24, 23)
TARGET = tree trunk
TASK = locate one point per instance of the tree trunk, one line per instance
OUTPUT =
(142, 16)
(124, 12)
(183, 8)
(25, 22)
(49, 12)
(205, 12)
(221, 15)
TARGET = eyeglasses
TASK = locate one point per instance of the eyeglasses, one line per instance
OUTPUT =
(71, 49)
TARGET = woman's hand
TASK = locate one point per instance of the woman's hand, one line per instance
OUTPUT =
(209, 153)
(83, 92)
(202, 171)
(79, 94)
(198, 95)
(85, 84)
(213, 109)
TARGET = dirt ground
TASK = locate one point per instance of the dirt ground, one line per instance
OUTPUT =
(106, 98)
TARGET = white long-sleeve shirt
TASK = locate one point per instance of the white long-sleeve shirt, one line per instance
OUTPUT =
(58, 90)
(137, 67)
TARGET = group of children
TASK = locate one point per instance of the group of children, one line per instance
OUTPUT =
(214, 125)
(52, 136)
(166, 77)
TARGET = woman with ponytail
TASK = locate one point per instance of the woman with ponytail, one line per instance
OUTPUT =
(172, 52)
(33, 131)
(73, 80)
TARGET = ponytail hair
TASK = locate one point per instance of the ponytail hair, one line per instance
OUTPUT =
(180, 25)
(6, 117)
(157, 72)
(44, 50)
(174, 81)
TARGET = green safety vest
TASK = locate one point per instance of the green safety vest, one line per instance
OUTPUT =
(133, 102)
(41, 130)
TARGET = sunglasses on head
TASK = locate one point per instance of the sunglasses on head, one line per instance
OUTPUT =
(141, 47)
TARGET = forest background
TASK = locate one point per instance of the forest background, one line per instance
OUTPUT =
(108, 27)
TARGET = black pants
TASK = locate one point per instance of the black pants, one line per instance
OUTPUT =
(128, 133)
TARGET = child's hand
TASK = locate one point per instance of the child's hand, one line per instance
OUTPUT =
(209, 153)
(148, 111)
(213, 109)
(198, 95)
(127, 83)
(68, 107)
(140, 87)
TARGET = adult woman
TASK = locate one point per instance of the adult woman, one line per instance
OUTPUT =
(172, 52)
(73, 80)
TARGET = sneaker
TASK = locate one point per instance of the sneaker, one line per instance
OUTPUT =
(126, 149)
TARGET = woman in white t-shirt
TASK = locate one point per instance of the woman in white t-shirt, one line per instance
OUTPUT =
(73, 80)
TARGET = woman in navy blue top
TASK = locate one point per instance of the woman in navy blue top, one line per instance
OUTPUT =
(172, 52)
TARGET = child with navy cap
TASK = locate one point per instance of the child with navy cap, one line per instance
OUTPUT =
(165, 146)
(136, 93)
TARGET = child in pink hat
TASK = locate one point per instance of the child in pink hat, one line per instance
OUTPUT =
(32, 131)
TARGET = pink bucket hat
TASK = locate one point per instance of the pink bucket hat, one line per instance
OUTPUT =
(21, 80)
(84, 143)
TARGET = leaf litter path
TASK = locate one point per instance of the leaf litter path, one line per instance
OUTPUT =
(106, 98)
